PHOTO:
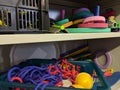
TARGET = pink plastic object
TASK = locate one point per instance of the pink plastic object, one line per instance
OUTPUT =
(94, 19)
(94, 22)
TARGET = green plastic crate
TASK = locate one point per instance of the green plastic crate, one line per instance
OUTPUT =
(86, 66)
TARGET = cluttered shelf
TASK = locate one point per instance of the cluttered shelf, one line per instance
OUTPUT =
(36, 38)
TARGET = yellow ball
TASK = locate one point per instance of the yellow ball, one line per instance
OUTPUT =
(83, 80)
(0, 22)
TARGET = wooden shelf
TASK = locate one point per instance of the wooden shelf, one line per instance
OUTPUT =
(36, 38)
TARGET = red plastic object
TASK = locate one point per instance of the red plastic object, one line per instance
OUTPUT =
(93, 25)
(17, 79)
(69, 71)
(53, 70)
(111, 13)
(108, 73)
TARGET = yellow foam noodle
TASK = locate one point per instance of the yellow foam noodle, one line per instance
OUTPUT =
(68, 24)
(78, 21)
(78, 51)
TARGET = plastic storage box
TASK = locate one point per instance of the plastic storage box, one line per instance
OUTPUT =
(24, 15)
(86, 66)
(7, 18)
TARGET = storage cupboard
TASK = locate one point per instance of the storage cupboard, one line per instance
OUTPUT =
(66, 41)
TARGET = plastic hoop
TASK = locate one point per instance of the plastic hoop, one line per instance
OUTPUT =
(108, 58)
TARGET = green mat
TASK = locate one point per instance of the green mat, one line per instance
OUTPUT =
(88, 30)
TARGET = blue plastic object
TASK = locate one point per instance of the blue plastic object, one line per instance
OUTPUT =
(113, 79)
(97, 10)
